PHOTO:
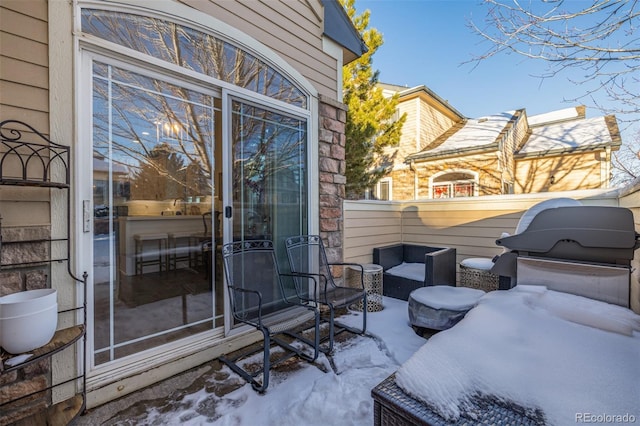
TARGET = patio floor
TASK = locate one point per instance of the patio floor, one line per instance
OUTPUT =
(212, 394)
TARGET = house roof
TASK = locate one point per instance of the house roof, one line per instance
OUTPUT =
(406, 92)
(339, 28)
(476, 134)
(574, 135)
(565, 114)
(552, 133)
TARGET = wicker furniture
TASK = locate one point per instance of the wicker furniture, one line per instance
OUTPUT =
(439, 267)
(475, 272)
(393, 407)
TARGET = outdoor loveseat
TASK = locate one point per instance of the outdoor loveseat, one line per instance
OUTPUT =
(407, 267)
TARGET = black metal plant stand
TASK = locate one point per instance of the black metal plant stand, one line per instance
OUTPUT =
(30, 159)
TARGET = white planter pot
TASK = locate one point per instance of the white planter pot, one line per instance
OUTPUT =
(28, 320)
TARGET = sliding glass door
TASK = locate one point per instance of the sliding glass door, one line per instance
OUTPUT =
(154, 200)
(186, 141)
(269, 179)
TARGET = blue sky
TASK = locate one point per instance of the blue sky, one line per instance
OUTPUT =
(426, 43)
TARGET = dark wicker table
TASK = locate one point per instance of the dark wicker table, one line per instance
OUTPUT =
(393, 407)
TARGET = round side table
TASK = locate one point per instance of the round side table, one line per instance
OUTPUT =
(372, 285)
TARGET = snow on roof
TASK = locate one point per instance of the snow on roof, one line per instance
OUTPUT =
(476, 132)
(568, 135)
(553, 116)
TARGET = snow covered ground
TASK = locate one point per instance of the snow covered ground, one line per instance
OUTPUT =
(329, 393)
(535, 347)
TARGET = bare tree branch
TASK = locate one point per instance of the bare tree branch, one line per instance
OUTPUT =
(599, 38)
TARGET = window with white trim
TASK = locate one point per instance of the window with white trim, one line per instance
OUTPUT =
(383, 189)
(454, 185)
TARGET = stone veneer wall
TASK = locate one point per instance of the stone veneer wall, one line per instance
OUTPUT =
(486, 166)
(34, 276)
(332, 167)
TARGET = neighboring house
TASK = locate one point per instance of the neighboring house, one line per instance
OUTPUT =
(177, 113)
(442, 154)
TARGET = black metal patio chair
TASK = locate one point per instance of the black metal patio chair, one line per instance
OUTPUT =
(259, 299)
(307, 257)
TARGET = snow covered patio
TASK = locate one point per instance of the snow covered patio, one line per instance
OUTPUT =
(335, 390)
(566, 358)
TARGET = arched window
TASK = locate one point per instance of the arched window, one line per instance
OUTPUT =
(192, 49)
(454, 184)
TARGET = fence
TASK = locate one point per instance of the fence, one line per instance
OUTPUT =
(471, 225)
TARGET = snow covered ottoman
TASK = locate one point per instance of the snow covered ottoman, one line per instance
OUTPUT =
(440, 307)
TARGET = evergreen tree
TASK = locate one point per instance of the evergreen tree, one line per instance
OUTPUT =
(160, 177)
(370, 126)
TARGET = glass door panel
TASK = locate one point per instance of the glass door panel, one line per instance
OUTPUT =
(269, 180)
(154, 197)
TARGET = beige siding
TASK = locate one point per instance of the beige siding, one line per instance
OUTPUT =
(432, 123)
(410, 128)
(30, 51)
(569, 171)
(25, 19)
(510, 145)
(367, 225)
(290, 28)
(24, 95)
(470, 225)
(24, 78)
(424, 123)
(24, 73)
(34, 8)
(38, 119)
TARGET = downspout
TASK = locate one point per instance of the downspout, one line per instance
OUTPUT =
(500, 157)
(607, 167)
(412, 167)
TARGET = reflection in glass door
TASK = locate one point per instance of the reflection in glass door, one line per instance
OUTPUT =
(269, 181)
(155, 221)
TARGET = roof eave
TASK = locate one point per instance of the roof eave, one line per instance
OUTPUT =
(424, 89)
(472, 150)
(573, 150)
(339, 28)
